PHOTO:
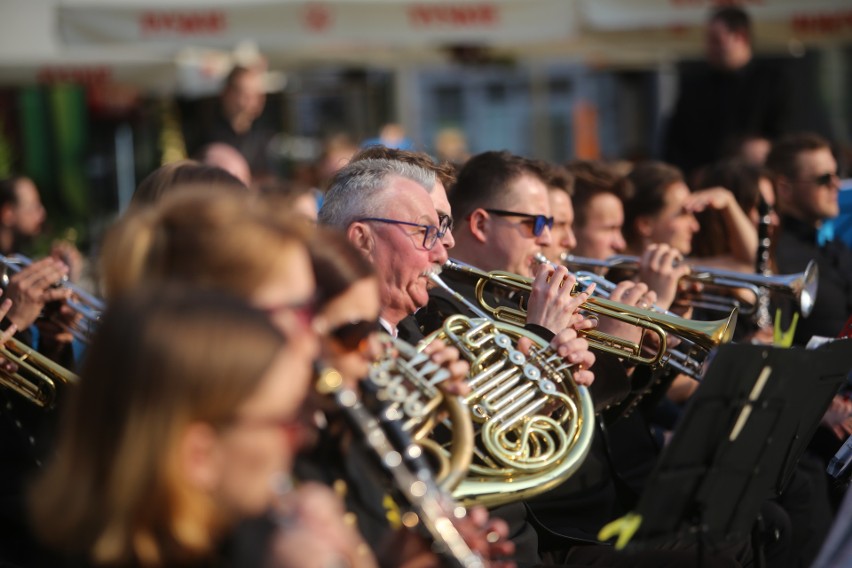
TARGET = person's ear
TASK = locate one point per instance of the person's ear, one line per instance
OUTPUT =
(360, 235)
(480, 224)
(783, 191)
(7, 215)
(199, 456)
(644, 226)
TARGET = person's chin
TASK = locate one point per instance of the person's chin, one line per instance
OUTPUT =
(419, 296)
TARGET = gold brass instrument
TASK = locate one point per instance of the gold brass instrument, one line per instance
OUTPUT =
(406, 381)
(37, 377)
(425, 503)
(88, 308)
(705, 334)
(533, 425)
(802, 287)
(682, 358)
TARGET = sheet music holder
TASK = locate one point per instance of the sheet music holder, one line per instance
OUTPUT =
(739, 440)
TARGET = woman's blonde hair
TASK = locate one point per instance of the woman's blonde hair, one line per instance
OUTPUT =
(209, 238)
(160, 361)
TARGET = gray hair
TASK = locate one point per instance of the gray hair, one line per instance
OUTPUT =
(357, 190)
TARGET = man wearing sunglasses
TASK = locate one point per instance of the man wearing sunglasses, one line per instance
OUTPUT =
(807, 187)
(503, 201)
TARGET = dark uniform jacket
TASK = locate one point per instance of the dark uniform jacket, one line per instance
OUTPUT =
(796, 246)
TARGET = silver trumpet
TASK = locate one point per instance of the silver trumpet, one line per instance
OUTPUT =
(88, 307)
(802, 287)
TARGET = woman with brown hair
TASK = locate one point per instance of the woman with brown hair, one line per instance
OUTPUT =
(180, 174)
(187, 413)
(218, 240)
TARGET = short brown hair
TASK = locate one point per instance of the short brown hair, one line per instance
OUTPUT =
(782, 159)
(337, 264)
(649, 181)
(592, 178)
(484, 179)
(555, 176)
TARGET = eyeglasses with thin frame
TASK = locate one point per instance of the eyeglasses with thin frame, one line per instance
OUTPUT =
(537, 222)
(825, 179)
(351, 335)
(445, 223)
(431, 233)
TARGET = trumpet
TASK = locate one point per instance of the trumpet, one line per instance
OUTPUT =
(88, 307)
(802, 287)
(681, 361)
(37, 377)
(704, 334)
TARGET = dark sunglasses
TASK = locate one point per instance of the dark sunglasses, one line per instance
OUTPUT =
(351, 335)
(823, 180)
(538, 222)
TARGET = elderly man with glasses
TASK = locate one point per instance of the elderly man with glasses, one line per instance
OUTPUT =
(807, 187)
(385, 210)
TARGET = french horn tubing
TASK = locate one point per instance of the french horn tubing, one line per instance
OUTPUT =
(533, 425)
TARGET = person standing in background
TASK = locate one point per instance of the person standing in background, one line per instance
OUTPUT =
(729, 98)
(237, 121)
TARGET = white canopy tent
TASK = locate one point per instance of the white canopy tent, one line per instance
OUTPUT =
(140, 42)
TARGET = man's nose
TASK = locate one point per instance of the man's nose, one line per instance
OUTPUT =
(545, 238)
(439, 254)
(570, 240)
(448, 240)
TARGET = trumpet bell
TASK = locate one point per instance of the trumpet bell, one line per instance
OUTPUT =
(805, 288)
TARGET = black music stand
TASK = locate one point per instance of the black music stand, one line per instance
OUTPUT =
(738, 442)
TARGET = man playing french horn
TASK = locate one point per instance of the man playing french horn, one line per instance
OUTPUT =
(383, 208)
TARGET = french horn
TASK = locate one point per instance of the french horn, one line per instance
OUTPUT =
(383, 428)
(533, 426)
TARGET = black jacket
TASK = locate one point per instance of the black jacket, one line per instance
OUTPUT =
(796, 246)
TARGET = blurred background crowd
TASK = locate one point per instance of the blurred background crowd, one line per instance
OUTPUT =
(95, 95)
